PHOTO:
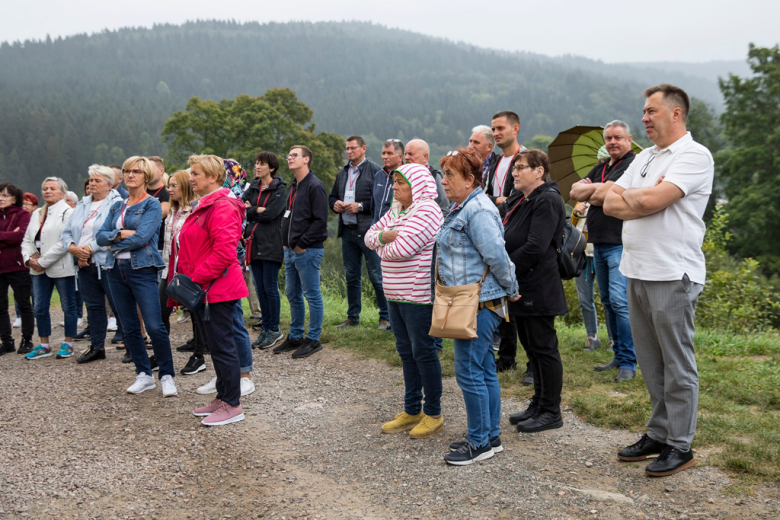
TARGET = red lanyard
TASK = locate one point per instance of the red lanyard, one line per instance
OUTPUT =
(352, 182)
(290, 199)
(158, 191)
(91, 215)
(506, 217)
(605, 168)
(501, 184)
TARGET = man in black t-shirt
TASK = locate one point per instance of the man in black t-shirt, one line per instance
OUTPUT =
(605, 233)
(157, 189)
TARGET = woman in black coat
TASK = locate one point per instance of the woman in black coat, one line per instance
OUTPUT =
(265, 205)
(534, 217)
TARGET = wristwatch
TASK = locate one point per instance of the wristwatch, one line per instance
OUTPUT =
(360, 206)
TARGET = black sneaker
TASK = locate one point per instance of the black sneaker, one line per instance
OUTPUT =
(91, 355)
(153, 364)
(671, 460)
(495, 443)
(270, 338)
(501, 367)
(26, 346)
(308, 348)
(526, 414)
(127, 358)
(194, 365)
(469, 454)
(258, 325)
(288, 345)
(8, 348)
(187, 347)
(82, 336)
(612, 365)
(540, 422)
(642, 449)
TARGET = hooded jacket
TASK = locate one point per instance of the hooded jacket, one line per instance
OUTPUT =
(529, 232)
(267, 225)
(11, 218)
(206, 247)
(406, 261)
(55, 259)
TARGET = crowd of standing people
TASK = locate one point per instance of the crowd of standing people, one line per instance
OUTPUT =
(490, 219)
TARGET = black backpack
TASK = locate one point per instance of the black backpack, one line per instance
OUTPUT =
(571, 250)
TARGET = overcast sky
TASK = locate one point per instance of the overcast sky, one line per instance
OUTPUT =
(661, 30)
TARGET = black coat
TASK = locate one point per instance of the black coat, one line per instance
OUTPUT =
(364, 193)
(509, 182)
(530, 232)
(267, 225)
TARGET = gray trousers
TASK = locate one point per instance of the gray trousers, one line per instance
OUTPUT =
(661, 316)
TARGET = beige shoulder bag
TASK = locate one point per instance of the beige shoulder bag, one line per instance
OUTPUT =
(455, 309)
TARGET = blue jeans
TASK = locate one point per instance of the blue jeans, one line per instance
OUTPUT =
(302, 278)
(612, 286)
(266, 276)
(95, 292)
(139, 287)
(66, 288)
(475, 372)
(420, 362)
(584, 283)
(79, 304)
(353, 250)
(241, 339)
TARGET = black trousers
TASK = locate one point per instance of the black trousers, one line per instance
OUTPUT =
(166, 311)
(21, 283)
(537, 333)
(217, 332)
(507, 348)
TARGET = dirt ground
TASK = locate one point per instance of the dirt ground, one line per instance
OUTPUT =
(74, 444)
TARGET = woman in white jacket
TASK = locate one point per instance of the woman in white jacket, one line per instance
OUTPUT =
(51, 266)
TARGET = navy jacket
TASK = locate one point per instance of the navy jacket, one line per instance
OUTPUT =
(364, 187)
(307, 224)
(383, 194)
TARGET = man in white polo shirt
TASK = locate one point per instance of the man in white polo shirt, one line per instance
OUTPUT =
(661, 199)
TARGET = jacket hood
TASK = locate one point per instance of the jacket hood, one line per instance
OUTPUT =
(276, 183)
(219, 195)
(422, 183)
(112, 197)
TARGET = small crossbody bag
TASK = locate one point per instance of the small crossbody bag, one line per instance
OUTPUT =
(455, 309)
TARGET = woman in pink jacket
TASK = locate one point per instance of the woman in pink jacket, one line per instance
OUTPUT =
(403, 238)
(206, 248)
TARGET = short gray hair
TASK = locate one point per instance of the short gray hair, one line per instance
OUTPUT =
(63, 184)
(105, 171)
(73, 197)
(618, 122)
(397, 145)
(487, 131)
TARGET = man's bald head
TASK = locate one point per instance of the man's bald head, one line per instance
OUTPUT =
(417, 152)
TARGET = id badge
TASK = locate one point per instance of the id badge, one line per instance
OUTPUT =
(350, 194)
(38, 244)
(287, 214)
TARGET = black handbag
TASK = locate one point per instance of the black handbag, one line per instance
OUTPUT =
(190, 294)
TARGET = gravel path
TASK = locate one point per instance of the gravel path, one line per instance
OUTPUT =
(74, 444)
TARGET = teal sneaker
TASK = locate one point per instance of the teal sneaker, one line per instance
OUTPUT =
(260, 339)
(65, 351)
(39, 352)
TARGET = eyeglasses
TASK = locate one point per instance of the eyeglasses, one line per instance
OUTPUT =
(393, 140)
(292, 156)
(452, 154)
(132, 172)
(171, 185)
(351, 148)
(643, 171)
(519, 167)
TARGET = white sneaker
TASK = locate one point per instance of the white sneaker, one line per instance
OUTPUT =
(247, 386)
(208, 388)
(18, 323)
(111, 324)
(168, 386)
(184, 318)
(79, 323)
(143, 382)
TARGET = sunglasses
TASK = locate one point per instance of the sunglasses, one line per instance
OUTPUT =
(452, 154)
(646, 167)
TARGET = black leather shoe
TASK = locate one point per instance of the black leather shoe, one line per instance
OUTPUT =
(82, 336)
(288, 345)
(8, 348)
(526, 414)
(540, 422)
(501, 367)
(127, 358)
(91, 355)
(26, 346)
(308, 348)
(612, 365)
(671, 460)
(347, 323)
(641, 449)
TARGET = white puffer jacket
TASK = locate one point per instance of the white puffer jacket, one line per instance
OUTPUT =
(55, 259)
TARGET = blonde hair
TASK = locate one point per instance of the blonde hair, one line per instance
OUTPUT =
(145, 166)
(185, 188)
(211, 165)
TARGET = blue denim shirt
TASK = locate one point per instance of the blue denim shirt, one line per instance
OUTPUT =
(72, 232)
(144, 217)
(471, 238)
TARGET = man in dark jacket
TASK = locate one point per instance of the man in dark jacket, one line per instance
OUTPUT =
(498, 182)
(392, 158)
(304, 231)
(352, 198)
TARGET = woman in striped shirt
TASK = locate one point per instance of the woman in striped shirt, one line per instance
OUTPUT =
(403, 238)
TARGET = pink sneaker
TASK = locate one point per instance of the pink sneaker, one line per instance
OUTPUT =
(225, 414)
(205, 411)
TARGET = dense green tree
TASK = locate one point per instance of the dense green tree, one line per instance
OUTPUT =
(540, 142)
(750, 170)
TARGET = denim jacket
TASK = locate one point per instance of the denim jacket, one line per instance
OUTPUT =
(144, 217)
(471, 238)
(72, 232)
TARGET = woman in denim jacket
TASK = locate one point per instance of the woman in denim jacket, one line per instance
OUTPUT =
(470, 241)
(130, 231)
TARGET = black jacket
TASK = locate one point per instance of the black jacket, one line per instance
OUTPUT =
(307, 224)
(267, 225)
(530, 231)
(509, 182)
(364, 193)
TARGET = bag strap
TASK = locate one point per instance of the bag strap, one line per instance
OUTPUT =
(214, 280)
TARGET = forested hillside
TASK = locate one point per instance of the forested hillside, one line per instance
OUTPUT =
(68, 103)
